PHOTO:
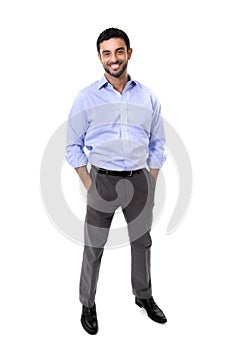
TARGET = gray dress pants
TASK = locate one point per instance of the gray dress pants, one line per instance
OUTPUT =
(135, 195)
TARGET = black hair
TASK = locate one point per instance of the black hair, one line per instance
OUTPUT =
(112, 33)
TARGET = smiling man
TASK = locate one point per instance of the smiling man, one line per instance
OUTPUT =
(114, 57)
(118, 120)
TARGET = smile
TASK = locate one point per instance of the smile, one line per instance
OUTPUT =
(115, 66)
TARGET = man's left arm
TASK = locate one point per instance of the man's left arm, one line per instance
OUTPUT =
(156, 156)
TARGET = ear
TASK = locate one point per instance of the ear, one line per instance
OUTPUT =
(99, 55)
(129, 53)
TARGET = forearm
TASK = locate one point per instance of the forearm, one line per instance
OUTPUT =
(84, 176)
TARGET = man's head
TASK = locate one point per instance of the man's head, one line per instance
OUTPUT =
(114, 51)
(112, 33)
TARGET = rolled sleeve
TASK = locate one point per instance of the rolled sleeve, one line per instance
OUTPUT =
(156, 157)
(75, 154)
(76, 129)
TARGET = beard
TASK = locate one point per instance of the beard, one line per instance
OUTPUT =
(116, 74)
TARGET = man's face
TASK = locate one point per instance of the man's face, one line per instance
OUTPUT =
(114, 56)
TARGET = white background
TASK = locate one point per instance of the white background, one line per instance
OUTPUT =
(183, 51)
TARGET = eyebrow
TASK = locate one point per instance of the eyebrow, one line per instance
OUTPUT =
(119, 48)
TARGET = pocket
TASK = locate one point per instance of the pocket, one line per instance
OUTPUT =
(92, 181)
(90, 186)
(93, 176)
(151, 179)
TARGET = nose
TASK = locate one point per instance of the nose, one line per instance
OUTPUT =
(114, 57)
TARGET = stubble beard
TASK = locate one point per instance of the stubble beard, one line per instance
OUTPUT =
(117, 74)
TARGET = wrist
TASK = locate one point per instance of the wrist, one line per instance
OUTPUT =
(154, 173)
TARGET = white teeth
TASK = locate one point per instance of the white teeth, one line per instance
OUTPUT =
(115, 66)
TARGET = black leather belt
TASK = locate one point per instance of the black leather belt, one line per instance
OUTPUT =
(119, 173)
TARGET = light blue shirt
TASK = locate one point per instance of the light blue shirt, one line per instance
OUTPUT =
(115, 131)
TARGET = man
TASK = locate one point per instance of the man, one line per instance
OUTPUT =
(117, 121)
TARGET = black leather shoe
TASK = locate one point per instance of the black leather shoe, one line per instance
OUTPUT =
(152, 309)
(89, 319)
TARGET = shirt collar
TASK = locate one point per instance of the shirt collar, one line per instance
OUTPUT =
(103, 82)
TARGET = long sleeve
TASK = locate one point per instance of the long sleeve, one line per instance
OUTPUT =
(156, 156)
(77, 125)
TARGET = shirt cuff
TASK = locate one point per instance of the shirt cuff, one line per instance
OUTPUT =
(77, 162)
(155, 162)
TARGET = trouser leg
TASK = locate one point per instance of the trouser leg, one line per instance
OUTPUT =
(140, 267)
(138, 215)
(95, 239)
(89, 275)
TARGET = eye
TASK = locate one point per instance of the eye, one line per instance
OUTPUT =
(106, 54)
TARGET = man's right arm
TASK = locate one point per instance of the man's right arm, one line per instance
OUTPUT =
(84, 176)
(76, 129)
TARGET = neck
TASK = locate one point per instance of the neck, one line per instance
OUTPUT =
(118, 83)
